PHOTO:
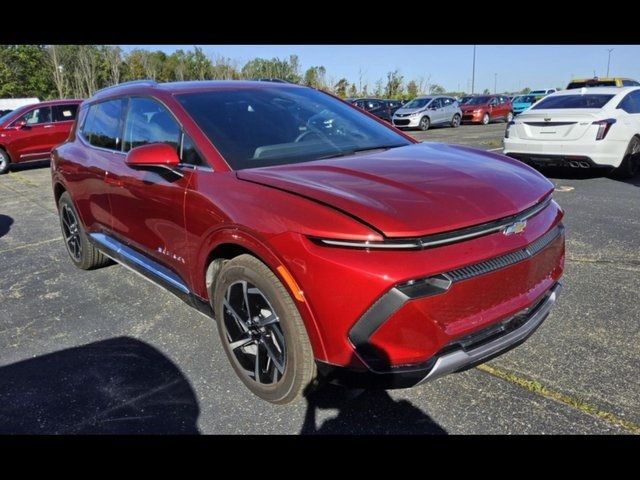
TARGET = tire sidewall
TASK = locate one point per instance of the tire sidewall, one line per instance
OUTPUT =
(286, 387)
(486, 117)
(455, 121)
(424, 124)
(5, 162)
(65, 199)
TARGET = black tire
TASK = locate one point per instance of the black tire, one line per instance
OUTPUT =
(424, 124)
(630, 166)
(5, 162)
(455, 121)
(82, 253)
(486, 119)
(299, 370)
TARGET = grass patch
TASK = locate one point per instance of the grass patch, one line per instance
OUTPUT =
(538, 388)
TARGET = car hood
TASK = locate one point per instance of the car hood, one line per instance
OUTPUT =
(404, 111)
(414, 190)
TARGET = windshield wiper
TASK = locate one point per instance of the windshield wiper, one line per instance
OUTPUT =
(359, 150)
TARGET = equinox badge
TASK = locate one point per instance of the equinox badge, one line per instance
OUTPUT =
(517, 227)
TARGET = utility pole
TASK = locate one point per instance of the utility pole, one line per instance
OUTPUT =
(473, 72)
(495, 83)
(609, 59)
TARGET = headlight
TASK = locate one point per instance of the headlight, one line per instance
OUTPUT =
(414, 114)
(477, 110)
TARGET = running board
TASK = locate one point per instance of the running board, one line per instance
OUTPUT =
(140, 263)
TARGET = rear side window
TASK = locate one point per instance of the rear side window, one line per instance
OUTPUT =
(630, 83)
(573, 101)
(631, 103)
(64, 113)
(102, 125)
(149, 122)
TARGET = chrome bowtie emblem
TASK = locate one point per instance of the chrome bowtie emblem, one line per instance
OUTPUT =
(517, 227)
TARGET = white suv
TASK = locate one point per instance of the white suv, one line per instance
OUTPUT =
(584, 128)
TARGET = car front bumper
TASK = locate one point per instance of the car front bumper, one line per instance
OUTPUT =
(406, 122)
(460, 355)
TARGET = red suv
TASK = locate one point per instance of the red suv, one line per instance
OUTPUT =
(485, 109)
(322, 240)
(30, 132)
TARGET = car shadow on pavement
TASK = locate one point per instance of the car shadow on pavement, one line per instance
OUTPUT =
(115, 386)
(5, 224)
(365, 412)
(20, 167)
(585, 174)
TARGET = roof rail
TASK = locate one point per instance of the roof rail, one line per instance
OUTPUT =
(132, 82)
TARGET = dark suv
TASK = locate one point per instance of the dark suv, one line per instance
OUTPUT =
(376, 106)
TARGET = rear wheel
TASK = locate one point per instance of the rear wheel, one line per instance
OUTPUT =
(455, 121)
(262, 332)
(83, 254)
(630, 165)
(509, 117)
(425, 123)
(486, 119)
(5, 162)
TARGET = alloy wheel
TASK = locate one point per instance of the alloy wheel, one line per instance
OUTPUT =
(71, 231)
(253, 333)
(509, 117)
(485, 119)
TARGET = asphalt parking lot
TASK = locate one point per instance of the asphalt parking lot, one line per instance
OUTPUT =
(106, 352)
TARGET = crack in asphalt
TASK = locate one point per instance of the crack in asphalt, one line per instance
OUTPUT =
(28, 245)
(576, 404)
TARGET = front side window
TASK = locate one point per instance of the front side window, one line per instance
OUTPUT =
(36, 116)
(64, 113)
(149, 122)
(478, 101)
(417, 103)
(189, 152)
(102, 125)
(259, 127)
(590, 100)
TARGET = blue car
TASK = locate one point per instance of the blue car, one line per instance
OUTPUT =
(522, 102)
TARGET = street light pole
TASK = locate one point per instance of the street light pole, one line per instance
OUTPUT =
(609, 59)
(495, 83)
(473, 72)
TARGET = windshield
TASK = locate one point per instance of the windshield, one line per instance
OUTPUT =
(464, 100)
(525, 99)
(478, 100)
(260, 127)
(573, 101)
(4, 116)
(417, 103)
(538, 92)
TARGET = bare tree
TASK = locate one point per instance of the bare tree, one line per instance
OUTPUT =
(86, 71)
(54, 60)
(113, 59)
(423, 84)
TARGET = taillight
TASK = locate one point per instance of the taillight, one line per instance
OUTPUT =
(506, 132)
(603, 127)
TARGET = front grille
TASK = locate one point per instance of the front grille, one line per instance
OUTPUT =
(400, 122)
(497, 263)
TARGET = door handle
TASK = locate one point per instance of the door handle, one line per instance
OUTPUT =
(48, 126)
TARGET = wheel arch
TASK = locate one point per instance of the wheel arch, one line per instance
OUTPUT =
(230, 243)
(58, 190)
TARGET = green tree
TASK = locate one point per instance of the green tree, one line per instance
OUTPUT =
(314, 77)
(412, 90)
(287, 70)
(340, 88)
(353, 90)
(393, 88)
(486, 91)
(24, 72)
(435, 89)
(525, 90)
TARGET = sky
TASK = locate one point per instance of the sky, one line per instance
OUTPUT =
(516, 66)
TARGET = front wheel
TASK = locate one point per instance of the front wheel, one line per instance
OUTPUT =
(509, 117)
(5, 162)
(455, 121)
(630, 165)
(485, 119)
(425, 123)
(262, 332)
